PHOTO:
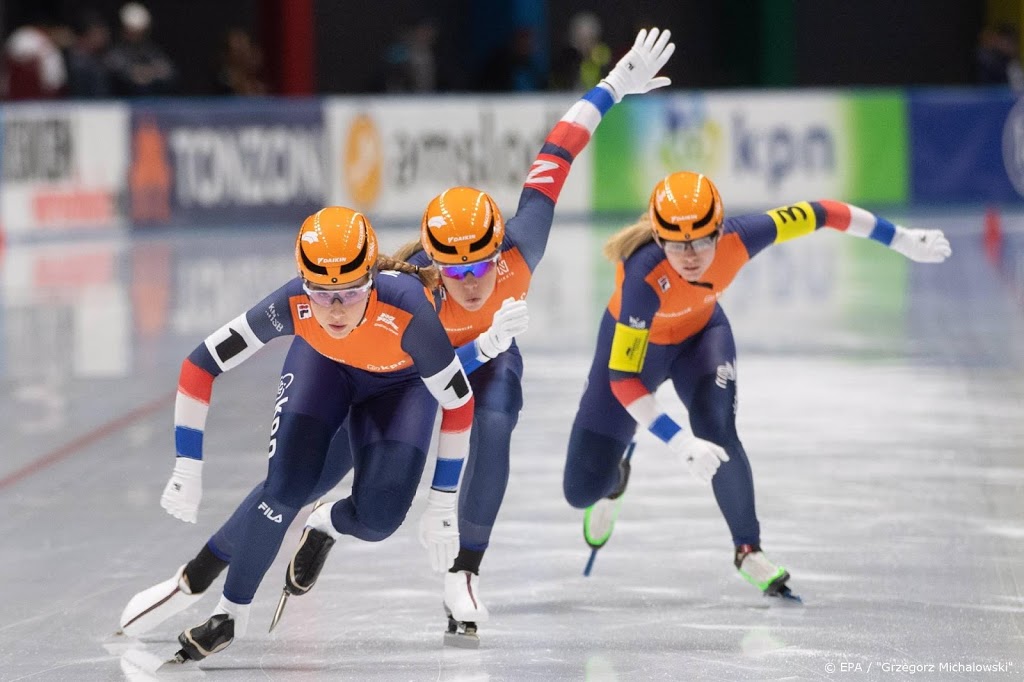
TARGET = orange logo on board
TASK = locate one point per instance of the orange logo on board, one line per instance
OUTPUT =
(150, 175)
(362, 161)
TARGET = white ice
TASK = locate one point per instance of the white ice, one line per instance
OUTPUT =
(880, 405)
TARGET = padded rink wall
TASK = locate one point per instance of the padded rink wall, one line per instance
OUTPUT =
(113, 169)
(195, 163)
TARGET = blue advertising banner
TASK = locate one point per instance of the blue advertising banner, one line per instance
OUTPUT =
(227, 162)
(966, 146)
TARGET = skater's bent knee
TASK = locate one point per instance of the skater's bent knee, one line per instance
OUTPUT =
(579, 496)
(591, 468)
(382, 514)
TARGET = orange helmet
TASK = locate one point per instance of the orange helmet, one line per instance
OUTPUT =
(336, 245)
(460, 225)
(685, 206)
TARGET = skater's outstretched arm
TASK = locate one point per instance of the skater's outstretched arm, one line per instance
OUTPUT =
(224, 349)
(761, 230)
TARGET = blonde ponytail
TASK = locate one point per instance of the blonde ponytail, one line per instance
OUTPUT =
(626, 241)
(430, 276)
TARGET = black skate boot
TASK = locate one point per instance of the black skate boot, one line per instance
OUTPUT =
(212, 636)
(308, 561)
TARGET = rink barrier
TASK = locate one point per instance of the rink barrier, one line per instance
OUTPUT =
(211, 162)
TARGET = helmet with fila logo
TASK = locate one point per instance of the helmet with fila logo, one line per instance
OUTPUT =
(461, 225)
(685, 206)
(336, 245)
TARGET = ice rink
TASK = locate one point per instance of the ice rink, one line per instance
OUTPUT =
(881, 405)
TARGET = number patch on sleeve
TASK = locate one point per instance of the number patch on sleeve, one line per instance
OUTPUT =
(793, 221)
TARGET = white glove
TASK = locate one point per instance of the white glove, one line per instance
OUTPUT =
(702, 457)
(510, 319)
(921, 246)
(634, 74)
(184, 489)
(439, 529)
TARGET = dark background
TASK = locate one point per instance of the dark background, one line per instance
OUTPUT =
(720, 44)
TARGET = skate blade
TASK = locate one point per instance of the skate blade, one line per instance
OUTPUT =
(139, 665)
(786, 597)
(461, 640)
(280, 610)
(174, 664)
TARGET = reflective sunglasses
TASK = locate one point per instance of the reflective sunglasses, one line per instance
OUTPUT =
(478, 269)
(695, 245)
(326, 297)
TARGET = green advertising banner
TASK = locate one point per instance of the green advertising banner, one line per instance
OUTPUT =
(762, 149)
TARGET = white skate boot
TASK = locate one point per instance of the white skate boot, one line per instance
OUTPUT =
(464, 608)
(154, 605)
(757, 570)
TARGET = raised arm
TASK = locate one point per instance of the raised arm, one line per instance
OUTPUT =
(634, 74)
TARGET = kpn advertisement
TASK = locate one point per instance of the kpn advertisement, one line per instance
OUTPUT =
(761, 149)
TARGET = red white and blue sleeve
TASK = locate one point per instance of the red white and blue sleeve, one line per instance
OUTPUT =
(761, 230)
(531, 225)
(629, 348)
(427, 343)
(224, 349)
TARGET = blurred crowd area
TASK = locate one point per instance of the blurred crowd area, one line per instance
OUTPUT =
(73, 49)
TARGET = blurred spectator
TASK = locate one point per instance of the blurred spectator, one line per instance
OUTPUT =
(88, 75)
(137, 65)
(513, 67)
(33, 65)
(409, 63)
(582, 63)
(997, 58)
(241, 65)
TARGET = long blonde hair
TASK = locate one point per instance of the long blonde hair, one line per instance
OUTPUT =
(429, 276)
(626, 241)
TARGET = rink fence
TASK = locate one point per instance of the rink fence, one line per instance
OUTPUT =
(212, 162)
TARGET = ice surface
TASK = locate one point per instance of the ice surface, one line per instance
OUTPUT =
(880, 404)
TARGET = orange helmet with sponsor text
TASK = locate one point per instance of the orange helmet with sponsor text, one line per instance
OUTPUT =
(685, 206)
(336, 245)
(461, 225)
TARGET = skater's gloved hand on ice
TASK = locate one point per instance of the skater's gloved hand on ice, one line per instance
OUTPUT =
(439, 529)
(921, 246)
(510, 320)
(184, 489)
(701, 457)
(635, 73)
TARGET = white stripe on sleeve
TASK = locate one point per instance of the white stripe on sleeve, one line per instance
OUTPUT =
(233, 344)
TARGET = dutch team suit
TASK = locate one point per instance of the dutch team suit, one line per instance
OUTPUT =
(496, 382)
(660, 327)
(386, 377)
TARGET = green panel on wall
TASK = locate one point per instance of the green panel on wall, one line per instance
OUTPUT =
(613, 161)
(879, 153)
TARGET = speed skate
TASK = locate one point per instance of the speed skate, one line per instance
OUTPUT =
(464, 609)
